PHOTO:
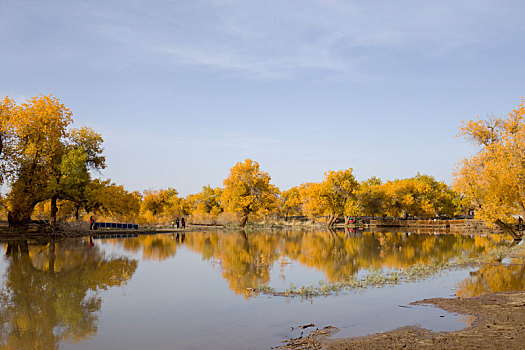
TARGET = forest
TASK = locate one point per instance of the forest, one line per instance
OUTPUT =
(48, 168)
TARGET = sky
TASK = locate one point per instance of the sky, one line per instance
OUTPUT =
(183, 90)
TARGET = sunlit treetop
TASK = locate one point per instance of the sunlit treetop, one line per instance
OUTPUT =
(248, 189)
(494, 179)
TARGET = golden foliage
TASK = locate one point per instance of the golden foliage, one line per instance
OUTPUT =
(493, 180)
(371, 197)
(43, 158)
(51, 292)
(335, 196)
(248, 190)
(205, 206)
(291, 203)
(421, 196)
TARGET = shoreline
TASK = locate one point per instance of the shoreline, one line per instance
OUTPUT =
(47, 233)
(498, 323)
(7, 234)
(80, 229)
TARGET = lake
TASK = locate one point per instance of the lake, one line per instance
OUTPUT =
(206, 290)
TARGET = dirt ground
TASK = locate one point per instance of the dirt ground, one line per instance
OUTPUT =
(498, 323)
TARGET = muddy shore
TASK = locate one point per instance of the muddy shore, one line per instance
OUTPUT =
(498, 322)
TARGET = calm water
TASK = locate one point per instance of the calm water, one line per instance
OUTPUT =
(195, 292)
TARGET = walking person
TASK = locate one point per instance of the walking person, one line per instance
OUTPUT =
(183, 223)
(91, 223)
(177, 222)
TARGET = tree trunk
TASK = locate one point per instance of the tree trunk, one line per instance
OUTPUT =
(24, 195)
(244, 219)
(11, 249)
(54, 210)
(246, 244)
(20, 219)
(24, 247)
(331, 220)
(52, 257)
(77, 209)
(508, 229)
(347, 220)
(18, 246)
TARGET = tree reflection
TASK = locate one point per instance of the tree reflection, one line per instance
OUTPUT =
(50, 292)
(247, 258)
(153, 247)
(493, 278)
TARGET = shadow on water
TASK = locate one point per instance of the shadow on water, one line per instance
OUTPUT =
(50, 290)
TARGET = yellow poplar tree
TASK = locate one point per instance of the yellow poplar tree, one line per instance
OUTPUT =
(371, 197)
(291, 203)
(312, 198)
(205, 206)
(494, 179)
(7, 111)
(108, 199)
(44, 155)
(421, 195)
(161, 205)
(207, 201)
(339, 192)
(248, 190)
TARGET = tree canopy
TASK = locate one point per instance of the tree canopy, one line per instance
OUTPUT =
(247, 190)
(493, 180)
(42, 157)
(48, 165)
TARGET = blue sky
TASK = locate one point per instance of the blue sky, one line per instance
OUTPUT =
(182, 90)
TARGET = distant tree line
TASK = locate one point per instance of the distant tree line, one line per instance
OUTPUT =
(48, 167)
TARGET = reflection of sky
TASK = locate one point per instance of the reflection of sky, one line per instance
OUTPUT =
(184, 303)
(282, 274)
(3, 261)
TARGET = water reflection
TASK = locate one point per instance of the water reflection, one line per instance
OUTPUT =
(153, 247)
(493, 278)
(49, 292)
(246, 258)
